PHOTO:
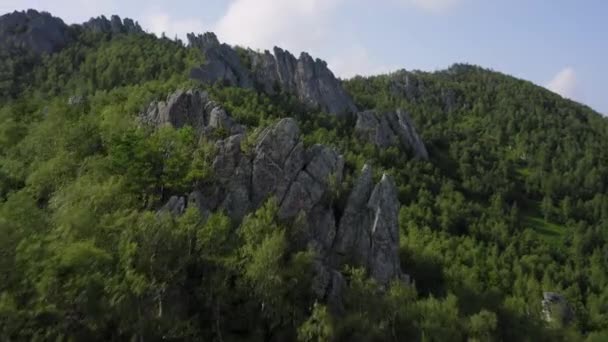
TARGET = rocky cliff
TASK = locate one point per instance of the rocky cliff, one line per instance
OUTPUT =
(41, 33)
(310, 80)
(192, 108)
(114, 25)
(38, 32)
(307, 78)
(313, 84)
(300, 178)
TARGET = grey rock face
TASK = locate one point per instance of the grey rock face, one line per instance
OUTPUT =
(310, 80)
(328, 284)
(403, 126)
(280, 166)
(37, 32)
(223, 63)
(234, 171)
(115, 25)
(390, 129)
(193, 108)
(556, 308)
(176, 205)
(354, 232)
(368, 234)
(375, 129)
(279, 157)
(383, 205)
(312, 183)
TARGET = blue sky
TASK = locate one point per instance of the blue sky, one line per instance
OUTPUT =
(559, 44)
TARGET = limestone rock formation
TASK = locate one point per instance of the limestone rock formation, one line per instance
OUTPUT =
(383, 205)
(556, 308)
(193, 108)
(115, 25)
(222, 62)
(309, 79)
(279, 166)
(300, 178)
(37, 32)
(368, 234)
(390, 129)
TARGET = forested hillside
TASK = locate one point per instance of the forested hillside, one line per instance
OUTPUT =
(511, 203)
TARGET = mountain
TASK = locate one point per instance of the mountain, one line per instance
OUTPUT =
(151, 189)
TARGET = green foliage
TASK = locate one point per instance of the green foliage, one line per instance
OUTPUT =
(512, 203)
(318, 327)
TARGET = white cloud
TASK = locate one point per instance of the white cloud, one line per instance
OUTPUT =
(70, 11)
(357, 61)
(306, 25)
(435, 6)
(158, 23)
(564, 83)
(295, 24)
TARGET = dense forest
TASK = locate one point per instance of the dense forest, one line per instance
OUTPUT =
(512, 203)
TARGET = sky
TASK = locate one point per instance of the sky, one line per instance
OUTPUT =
(559, 44)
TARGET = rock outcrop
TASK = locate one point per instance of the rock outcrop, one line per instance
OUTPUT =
(222, 62)
(41, 33)
(300, 178)
(114, 25)
(556, 308)
(390, 129)
(278, 166)
(33, 31)
(192, 108)
(308, 79)
(368, 234)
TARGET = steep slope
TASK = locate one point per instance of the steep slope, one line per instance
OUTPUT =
(139, 204)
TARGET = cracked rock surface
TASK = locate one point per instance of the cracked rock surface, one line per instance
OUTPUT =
(310, 80)
(300, 178)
